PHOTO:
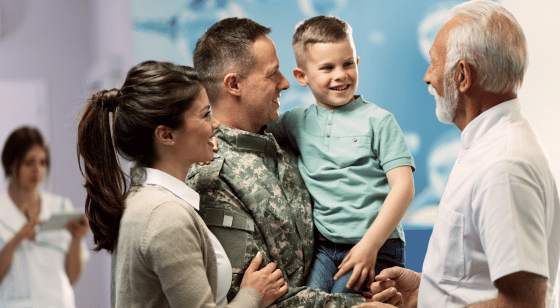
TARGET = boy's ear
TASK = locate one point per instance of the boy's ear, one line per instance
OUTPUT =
(163, 135)
(300, 76)
(357, 60)
(231, 84)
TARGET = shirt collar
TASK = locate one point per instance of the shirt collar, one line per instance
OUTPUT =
(358, 100)
(157, 177)
(480, 126)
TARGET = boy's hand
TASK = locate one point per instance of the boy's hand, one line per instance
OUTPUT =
(361, 259)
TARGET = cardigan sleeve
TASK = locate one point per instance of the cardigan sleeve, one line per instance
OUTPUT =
(175, 246)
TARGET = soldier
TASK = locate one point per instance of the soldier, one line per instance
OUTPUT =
(252, 195)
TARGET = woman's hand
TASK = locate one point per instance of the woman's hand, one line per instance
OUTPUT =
(7, 252)
(268, 282)
(28, 230)
(74, 263)
(78, 228)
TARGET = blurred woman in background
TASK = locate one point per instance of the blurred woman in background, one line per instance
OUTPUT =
(37, 268)
(163, 253)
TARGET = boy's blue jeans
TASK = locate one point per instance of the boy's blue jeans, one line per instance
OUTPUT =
(329, 255)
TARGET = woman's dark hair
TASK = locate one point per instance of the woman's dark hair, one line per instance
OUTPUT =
(18, 144)
(154, 93)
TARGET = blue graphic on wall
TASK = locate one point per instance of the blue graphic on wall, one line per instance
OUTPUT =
(392, 40)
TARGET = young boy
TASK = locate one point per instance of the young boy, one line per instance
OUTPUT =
(353, 158)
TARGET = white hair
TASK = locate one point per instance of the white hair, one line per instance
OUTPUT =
(493, 42)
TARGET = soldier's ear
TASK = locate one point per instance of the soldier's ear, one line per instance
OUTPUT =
(231, 84)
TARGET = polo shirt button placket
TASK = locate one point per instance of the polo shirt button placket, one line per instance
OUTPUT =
(328, 128)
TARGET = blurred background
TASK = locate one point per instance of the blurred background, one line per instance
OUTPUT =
(55, 53)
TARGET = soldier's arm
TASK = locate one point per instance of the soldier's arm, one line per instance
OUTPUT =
(229, 220)
(242, 241)
(306, 297)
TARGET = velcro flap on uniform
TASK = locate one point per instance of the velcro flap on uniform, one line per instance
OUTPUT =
(250, 143)
(228, 219)
(256, 197)
(256, 144)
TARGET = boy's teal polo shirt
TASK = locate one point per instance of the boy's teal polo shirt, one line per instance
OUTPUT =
(343, 157)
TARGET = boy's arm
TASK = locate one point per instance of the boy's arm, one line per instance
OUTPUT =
(363, 256)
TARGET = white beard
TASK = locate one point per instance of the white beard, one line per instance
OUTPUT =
(446, 106)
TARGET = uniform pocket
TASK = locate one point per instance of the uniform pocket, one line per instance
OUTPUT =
(447, 259)
(233, 230)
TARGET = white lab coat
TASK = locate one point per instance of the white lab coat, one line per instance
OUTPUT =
(37, 275)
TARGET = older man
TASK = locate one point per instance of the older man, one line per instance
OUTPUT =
(252, 195)
(496, 239)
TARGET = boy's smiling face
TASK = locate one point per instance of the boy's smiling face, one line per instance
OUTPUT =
(331, 71)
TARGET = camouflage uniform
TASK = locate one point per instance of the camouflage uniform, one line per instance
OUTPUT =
(249, 209)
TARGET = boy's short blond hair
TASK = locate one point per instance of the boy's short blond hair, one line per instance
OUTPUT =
(319, 29)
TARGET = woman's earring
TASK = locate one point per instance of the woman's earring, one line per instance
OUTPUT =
(172, 142)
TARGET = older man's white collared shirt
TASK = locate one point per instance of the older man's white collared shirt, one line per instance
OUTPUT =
(499, 214)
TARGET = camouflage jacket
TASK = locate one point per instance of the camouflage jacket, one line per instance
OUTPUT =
(253, 198)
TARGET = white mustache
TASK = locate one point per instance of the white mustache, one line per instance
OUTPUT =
(432, 90)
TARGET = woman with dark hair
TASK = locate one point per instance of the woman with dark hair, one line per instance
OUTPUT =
(163, 253)
(37, 267)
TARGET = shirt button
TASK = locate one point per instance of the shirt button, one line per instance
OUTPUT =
(329, 122)
(332, 111)
(328, 135)
(355, 139)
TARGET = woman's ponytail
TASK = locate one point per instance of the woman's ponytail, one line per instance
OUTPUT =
(105, 183)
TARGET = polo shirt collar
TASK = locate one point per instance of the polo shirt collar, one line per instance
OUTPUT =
(480, 126)
(155, 177)
(358, 100)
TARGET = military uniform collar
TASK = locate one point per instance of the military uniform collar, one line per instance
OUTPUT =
(246, 141)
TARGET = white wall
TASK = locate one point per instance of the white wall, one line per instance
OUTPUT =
(539, 93)
(70, 45)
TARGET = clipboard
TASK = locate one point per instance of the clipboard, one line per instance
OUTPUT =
(58, 220)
